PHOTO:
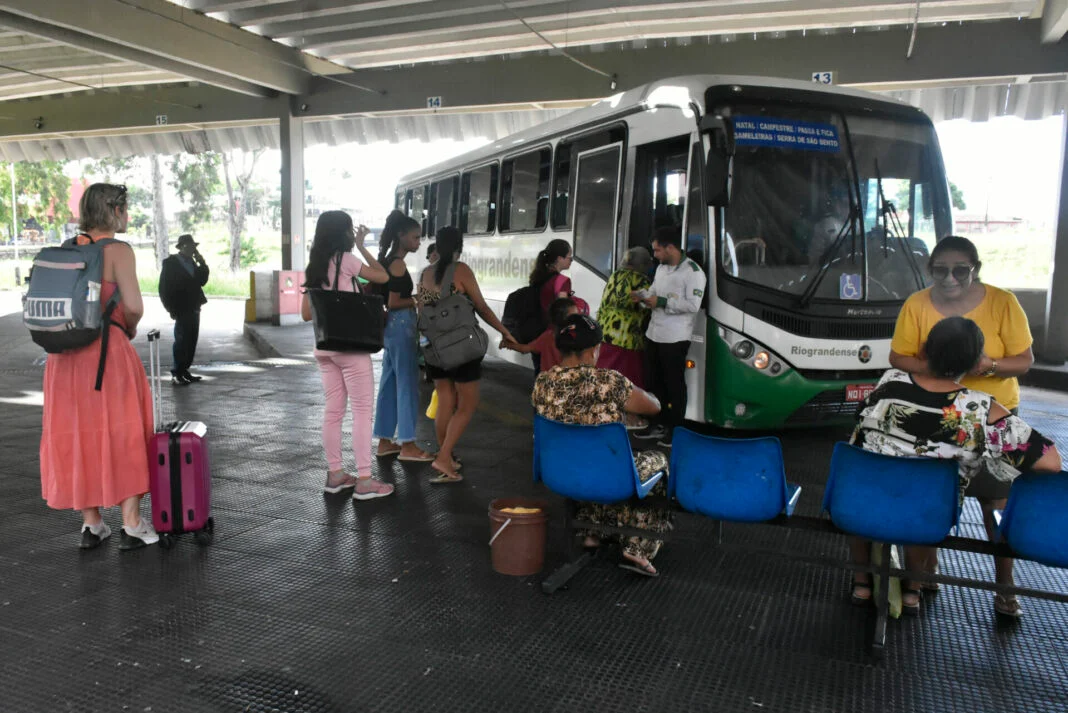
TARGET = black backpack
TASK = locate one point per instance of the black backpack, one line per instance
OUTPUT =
(523, 315)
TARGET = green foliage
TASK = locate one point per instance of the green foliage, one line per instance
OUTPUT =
(196, 178)
(41, 188)
(251, 253)
(957, 196)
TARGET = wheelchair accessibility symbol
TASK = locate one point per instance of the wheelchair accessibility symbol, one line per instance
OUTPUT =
(849, 287)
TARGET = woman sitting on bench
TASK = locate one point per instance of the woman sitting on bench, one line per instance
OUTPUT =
(578, 392)
(932, 415)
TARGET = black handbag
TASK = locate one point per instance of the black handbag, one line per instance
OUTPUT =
(347, 321)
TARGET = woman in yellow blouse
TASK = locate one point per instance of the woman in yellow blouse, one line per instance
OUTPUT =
(957, 292)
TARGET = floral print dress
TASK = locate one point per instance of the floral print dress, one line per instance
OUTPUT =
(899, 418)
(589, 396)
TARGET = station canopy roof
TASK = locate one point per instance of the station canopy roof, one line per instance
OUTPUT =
(263, 49)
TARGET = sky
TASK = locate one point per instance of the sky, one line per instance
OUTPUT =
(1012, 163)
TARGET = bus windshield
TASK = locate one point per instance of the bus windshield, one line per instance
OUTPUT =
(804, 219)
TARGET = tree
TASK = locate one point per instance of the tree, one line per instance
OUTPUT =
(42, 190)
(957, 196)
(130, 171)
(196, 178)
(159, 218)
(237, 205)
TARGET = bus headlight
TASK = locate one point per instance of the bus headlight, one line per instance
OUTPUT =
(753, 354)
(743, 349)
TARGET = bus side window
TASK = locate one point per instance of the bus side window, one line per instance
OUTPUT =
(525, 192)
(478, 200)
(417, 204)
(443, 203)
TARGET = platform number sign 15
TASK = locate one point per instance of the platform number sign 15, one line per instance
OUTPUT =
(823, 77)
(433, 102)
(161, 119)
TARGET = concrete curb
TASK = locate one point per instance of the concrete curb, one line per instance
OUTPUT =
(262, 345)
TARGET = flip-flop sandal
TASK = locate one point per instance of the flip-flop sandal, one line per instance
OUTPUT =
(426, 458)
(1003, 606)
(384, 454)
(638, 569)
(443, 479)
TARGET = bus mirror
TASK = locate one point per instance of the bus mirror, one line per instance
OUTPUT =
(718, 179)
(720, 162)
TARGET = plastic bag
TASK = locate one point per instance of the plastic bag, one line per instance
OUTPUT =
(895, 582)
(432, 409)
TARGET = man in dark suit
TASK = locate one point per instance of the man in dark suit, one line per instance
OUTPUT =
(181, 291)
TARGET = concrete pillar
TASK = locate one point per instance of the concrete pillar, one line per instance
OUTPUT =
(1054, 346)
(291, 134)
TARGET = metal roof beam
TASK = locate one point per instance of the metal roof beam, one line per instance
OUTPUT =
(950, 53)
(1054, 20)
(166, 36)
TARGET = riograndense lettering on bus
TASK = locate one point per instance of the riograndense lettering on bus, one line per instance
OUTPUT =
(502, 266)
(823, 351)
(785, 134)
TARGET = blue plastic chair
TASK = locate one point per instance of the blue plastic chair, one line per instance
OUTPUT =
(732, 479)
(1035, 520)
(589, 463)
(905, 501)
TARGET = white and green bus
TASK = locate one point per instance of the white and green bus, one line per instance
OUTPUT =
(812, 210)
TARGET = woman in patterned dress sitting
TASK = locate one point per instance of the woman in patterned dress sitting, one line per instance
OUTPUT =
(931, 414)
(577, 391)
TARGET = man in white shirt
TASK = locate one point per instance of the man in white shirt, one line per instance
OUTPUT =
(675, 299)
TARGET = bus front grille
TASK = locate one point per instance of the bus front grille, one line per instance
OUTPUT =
(827, 328)
(825, 406)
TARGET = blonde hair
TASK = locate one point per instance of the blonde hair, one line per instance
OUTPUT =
(97, 207)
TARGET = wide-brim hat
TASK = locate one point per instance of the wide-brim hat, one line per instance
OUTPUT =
(186, 239)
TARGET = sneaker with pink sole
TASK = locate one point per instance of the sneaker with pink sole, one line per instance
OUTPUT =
(371, 488)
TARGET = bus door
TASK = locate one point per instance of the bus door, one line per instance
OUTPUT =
(596, 220)
(695, 241)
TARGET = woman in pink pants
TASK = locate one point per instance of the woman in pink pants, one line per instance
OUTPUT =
(347, 376)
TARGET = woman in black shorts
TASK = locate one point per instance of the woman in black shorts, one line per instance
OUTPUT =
(457, 388)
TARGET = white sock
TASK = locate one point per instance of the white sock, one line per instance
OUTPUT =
(97, 529)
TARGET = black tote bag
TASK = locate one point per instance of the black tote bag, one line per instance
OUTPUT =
(347, 321)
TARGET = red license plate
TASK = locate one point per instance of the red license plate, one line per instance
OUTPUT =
(858, 392)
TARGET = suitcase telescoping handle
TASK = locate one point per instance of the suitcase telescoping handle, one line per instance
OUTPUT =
(154, 377)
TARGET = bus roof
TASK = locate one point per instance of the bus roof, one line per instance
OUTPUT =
(670, 92)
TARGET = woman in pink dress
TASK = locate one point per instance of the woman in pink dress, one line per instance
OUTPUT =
(94, 444)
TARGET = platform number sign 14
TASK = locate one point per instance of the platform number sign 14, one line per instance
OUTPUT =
(823, 77)
(433, 102)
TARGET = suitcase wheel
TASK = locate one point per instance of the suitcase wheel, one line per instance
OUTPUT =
(206, 536)
(166, 540)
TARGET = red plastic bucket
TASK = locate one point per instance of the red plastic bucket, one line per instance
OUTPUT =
(517, 539)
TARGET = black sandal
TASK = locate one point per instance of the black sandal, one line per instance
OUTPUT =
(911, 609)
(861, 594)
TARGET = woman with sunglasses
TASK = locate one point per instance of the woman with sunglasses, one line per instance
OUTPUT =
(957, 292)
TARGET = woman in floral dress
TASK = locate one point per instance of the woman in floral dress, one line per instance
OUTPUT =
(577, 391)
(933, 415)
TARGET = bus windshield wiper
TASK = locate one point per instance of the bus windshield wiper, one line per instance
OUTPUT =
(848, 229)
(892, 227)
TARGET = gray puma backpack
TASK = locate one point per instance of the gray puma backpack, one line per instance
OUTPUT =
(451, 328)
(62, 306)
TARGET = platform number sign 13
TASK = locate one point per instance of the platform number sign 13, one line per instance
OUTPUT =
(823, 77)
(433, 102)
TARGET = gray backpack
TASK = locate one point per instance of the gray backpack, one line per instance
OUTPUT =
(62, 306)
(451, 328)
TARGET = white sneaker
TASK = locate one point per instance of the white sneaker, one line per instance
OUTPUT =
(136, 537)
(94, 535)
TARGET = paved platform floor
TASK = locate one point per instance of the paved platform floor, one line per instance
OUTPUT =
(311, 602)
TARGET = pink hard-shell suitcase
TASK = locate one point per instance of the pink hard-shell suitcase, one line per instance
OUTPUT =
(179, 469)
